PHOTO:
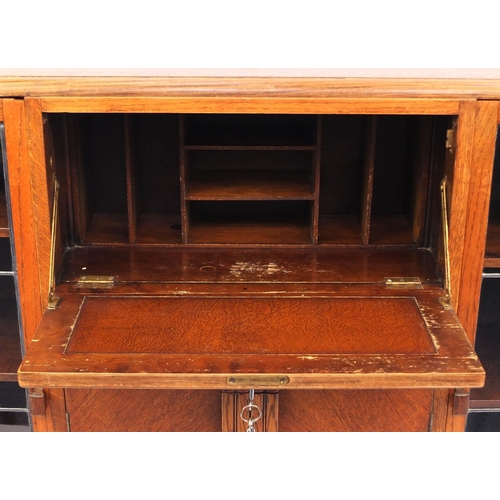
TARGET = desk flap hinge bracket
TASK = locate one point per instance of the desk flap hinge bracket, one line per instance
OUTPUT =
(406, 283)
(95, 282)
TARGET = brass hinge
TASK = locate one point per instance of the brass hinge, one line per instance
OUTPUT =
(95, 282)
(451, 136)
(403, 283)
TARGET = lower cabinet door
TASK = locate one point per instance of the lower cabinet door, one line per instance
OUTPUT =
(151, 410)
(143, 410)
(355, 410)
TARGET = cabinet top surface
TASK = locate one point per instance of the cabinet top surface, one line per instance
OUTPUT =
(319, 82)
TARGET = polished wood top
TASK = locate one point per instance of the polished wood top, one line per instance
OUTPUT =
(322, 82)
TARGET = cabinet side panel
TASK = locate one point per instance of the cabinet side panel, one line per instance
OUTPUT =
(23, 218)
(476, 210)
(40, 193)
(101, 410)
(355, 411)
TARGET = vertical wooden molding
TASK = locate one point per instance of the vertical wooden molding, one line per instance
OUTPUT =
(460, 193)
(367, 193)
(132, 208)
(40, 190)
(316, 176)
(439, 410)
(23, 219)
(476, 211)
(1, 110)
(184, 179)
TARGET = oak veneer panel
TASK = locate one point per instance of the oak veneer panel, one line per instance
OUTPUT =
(269, 104)
(144, 410)
(250, 326)
(355, 411)
(243, 265)
(42, 180)
(452, 364)
(476, 211)
(24, 218)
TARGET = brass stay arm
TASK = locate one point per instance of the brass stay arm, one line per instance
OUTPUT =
(53, 300)
(446, 300)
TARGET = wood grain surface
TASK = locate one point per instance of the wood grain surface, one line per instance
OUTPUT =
(23, 216)
(243, 265)
(352, 325)
(355, 411)
(48, 364)
(331, 82)
(144, 410)
(251, 104)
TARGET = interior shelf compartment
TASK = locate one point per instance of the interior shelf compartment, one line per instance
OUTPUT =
(254, 131)
(247, 222)
(10, 353)
(492, 253)
(487, 344)
(125, 178)
(170, 179)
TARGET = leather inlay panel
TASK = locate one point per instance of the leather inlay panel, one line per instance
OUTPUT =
(188, 325)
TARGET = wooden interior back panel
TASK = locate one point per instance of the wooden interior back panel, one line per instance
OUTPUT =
(131, 410)
(355, 411)
(250, 326)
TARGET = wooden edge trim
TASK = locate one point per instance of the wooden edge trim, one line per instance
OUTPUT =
(219, 381)
(273, 104)
(1, 110)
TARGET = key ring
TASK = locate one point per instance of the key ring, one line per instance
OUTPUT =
(250, 420)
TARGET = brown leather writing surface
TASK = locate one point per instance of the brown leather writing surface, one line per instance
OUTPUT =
(250, 326)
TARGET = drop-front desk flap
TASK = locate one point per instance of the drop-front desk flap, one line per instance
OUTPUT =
(346, 336)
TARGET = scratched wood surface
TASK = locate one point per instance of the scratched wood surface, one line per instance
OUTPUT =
(51, 363)
(243, 265)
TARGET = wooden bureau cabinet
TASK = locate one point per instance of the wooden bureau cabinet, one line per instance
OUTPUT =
(191, 240)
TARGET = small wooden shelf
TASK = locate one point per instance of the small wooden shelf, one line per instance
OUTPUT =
(4, 224)
(159, 229)
(107, 228)
(340, 229)
(250, 229)
(390, 230)
(250, 185)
